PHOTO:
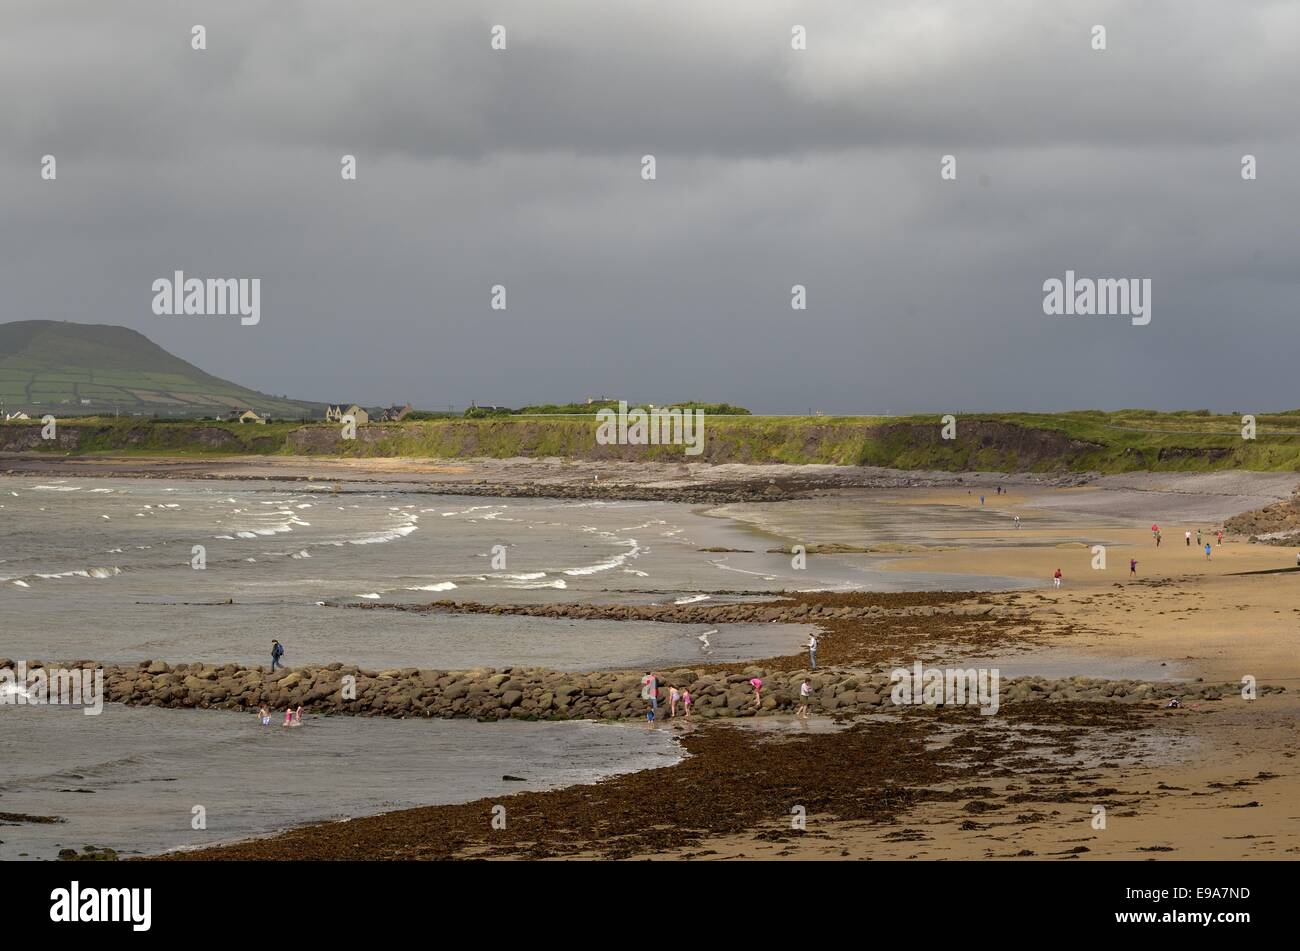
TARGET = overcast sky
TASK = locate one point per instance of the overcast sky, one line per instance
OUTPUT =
(775, 167)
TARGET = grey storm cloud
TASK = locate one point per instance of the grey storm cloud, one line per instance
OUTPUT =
(775, 167)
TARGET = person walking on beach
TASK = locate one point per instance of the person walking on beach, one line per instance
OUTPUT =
(757, 684)
(650, 691)
(1207, 550)
(1157, 539)
(1132, 567)
(1219, 537)
(1188, 537)
(673, 696)
(1017, 522)
(277, 651)
(686, 701)
(981, 500)
(812, 651)
(805, 691)
(1056, 579)
(1198, 538)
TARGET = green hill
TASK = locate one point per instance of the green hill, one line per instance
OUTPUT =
(49, 366)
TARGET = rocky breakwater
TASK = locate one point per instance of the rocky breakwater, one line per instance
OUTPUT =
(790, 610)
(533, 693)
(860, 630)
(690, 493)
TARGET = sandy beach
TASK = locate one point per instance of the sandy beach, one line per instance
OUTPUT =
(1215, 778)
(1086, 764)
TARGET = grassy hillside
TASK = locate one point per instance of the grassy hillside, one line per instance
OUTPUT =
(1083, 441)
(63, 368)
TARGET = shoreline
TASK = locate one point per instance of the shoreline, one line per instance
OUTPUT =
(1181, 608)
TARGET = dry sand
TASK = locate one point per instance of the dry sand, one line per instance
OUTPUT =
(1228, 785)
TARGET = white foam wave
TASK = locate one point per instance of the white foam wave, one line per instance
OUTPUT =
(616, 562)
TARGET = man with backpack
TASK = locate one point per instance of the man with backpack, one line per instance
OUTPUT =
(277, 651)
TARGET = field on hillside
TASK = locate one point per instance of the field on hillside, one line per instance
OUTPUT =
(129, 391)
(64, 368)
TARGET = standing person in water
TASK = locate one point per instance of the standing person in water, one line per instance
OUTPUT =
(297, 716)
(277, 651)
(265, 714)
(288, 717)
(686, 701)
(1056, 579)
(673, 696)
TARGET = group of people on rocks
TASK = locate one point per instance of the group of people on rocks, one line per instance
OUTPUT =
(651, 691)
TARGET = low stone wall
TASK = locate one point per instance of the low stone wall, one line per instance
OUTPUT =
(538, 693)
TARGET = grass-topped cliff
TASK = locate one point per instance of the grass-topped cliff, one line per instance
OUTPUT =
(1017, 442)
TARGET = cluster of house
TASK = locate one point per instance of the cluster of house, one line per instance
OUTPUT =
(393, 414)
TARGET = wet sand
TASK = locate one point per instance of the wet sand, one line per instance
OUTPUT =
(1215, 779)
